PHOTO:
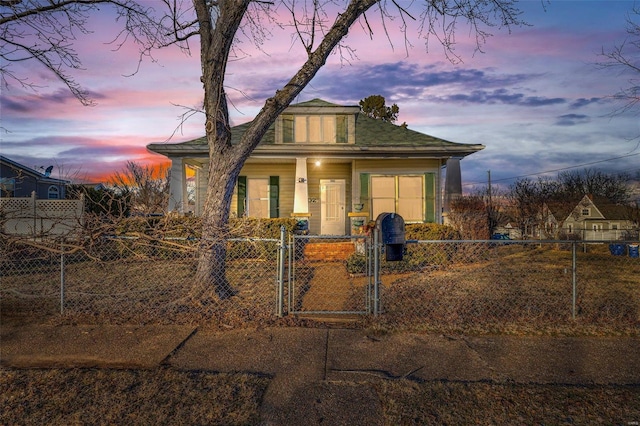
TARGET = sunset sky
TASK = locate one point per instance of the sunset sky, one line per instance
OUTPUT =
(534, 97)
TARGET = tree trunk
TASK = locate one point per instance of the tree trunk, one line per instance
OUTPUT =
(225, 160)
(211, 276)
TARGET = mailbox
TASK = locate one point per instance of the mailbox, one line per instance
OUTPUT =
(391, 228)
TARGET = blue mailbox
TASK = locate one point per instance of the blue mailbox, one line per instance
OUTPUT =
(392, 235)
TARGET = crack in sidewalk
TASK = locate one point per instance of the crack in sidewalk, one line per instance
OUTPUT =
(165, 362)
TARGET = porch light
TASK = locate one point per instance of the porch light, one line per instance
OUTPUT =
(318, 163)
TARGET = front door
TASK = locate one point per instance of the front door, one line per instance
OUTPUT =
(332, 204)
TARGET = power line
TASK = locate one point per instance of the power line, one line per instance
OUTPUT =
(557, 170)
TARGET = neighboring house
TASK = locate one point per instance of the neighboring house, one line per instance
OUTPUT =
(17, 180)
(330, 165)
(599, 219)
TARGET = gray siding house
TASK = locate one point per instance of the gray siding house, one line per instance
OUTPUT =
(17, 181)
(329, 165)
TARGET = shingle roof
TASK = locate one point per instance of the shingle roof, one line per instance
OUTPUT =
(370, 134)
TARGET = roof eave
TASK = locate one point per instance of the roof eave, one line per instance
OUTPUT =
(342, 151)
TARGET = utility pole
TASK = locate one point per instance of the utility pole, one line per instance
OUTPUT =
(489, 205)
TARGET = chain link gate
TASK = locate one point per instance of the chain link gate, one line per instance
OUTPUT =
(330, 275)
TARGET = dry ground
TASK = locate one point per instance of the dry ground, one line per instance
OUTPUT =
(169, 397)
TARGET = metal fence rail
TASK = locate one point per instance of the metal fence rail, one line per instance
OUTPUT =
(479, 286)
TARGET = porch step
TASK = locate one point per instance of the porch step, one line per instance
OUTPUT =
(328, 251)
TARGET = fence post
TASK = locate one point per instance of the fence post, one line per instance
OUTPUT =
(376, 272)
(62, 278)
(573, 280)
(281, 255)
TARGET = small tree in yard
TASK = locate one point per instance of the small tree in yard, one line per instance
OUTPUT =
(320, 28)
(146, 187)
(469, 216)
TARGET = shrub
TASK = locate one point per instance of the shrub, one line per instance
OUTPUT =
(430, 231)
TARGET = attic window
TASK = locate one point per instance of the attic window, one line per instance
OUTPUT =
(314, 129)
(586, 212)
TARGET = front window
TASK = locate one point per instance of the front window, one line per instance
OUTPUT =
(585, 212)
(7, 187)
(402, 194)
(314, 129)
(191, 185)
(53, 193)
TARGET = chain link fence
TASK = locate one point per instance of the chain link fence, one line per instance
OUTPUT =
(515, 286)
(135, 280)
(446, 286)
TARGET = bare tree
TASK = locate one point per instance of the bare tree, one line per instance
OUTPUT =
(469, 216)
(625, 58)
(614, 187)
(44, 31)
(530, 200)
(146, 187)
(320, 28)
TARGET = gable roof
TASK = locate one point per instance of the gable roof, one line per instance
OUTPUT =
(29, 171)
(606, 208)
(373, 138)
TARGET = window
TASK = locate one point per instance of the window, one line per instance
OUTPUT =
(314, 129)
(53, 193)
(585, 212)
(191, 184)
(402, 194)
(7, 187)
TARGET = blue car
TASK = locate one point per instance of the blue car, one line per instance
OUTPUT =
(500, 237)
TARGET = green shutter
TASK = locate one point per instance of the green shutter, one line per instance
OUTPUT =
(430, 197)
(341, 129)
(274, 201)
(242, 195)
(287, 129)
(364, 190)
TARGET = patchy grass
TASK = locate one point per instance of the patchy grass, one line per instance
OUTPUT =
(518, 289)
(167, 396)
(456, 403)
(132, 397)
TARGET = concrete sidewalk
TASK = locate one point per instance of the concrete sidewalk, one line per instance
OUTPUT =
(323, 373)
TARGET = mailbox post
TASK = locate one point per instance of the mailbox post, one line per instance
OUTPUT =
(392, 235)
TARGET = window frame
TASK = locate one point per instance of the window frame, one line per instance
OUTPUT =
(53, 190)
(300, 129)
(7, 187)
(398, 201)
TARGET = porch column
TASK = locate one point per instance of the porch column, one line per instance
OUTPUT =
(176, 186)
(452, 185)
(301, 194)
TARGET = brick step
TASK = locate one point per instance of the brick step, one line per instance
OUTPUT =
(328, 251)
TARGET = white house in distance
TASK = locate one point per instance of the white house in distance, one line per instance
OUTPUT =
(330, 165)
(598, 219)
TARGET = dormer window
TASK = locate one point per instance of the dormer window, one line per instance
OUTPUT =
(314, 129)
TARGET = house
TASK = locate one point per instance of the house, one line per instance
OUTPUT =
(17, 181)
(598, 219)
(328, 165)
